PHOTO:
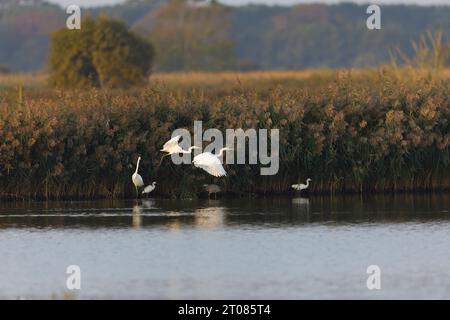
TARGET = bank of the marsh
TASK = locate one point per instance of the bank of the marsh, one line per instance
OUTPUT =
(366, 131)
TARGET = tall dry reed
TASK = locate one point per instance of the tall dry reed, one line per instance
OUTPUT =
(350, 131)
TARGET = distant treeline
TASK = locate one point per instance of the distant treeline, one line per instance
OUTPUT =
(384, 130)
(214, 37)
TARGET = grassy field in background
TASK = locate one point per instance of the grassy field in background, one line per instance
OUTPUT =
(377, 130)
(209, 80)
(189, 80)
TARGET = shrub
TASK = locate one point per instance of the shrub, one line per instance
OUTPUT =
(103, 53)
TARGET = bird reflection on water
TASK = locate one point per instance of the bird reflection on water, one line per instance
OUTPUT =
(211, 242)
(302, 205)
(148, 204)
(210, 218)
(137, 219)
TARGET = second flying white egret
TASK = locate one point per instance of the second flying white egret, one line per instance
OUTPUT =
(211, 163)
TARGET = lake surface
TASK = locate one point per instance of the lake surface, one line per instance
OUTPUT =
(277, 248)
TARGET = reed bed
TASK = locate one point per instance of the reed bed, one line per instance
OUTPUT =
(379, 130)
(28, 80)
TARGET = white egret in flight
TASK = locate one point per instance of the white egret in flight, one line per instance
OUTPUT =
(172, 147)
(301, 186)
(211, 163)
(137, 179)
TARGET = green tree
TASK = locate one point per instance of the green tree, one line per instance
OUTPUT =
(102, 53)
(192, 36)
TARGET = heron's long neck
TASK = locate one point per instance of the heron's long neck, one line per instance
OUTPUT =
(307, 183)
(137, 166)
(221, 152)
(190, 149)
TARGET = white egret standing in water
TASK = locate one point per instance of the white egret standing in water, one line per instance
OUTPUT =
(137, 179)
(149, 188)
(211, 163)
(301, 186)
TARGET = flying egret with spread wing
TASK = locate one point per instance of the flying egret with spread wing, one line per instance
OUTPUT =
(172, 147)
(211, 163)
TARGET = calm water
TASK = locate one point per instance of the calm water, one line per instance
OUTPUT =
(293, 248)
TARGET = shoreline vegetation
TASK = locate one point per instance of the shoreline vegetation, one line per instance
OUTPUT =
(362, 131)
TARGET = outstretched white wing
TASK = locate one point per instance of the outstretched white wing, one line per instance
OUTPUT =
(210, 163)
(172, 143)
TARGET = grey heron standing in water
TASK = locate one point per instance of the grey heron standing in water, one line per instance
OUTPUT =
(212, 188)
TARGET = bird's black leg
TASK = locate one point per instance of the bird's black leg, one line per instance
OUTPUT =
(160, 162)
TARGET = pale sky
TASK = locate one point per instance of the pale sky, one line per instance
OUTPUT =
(279, 2)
